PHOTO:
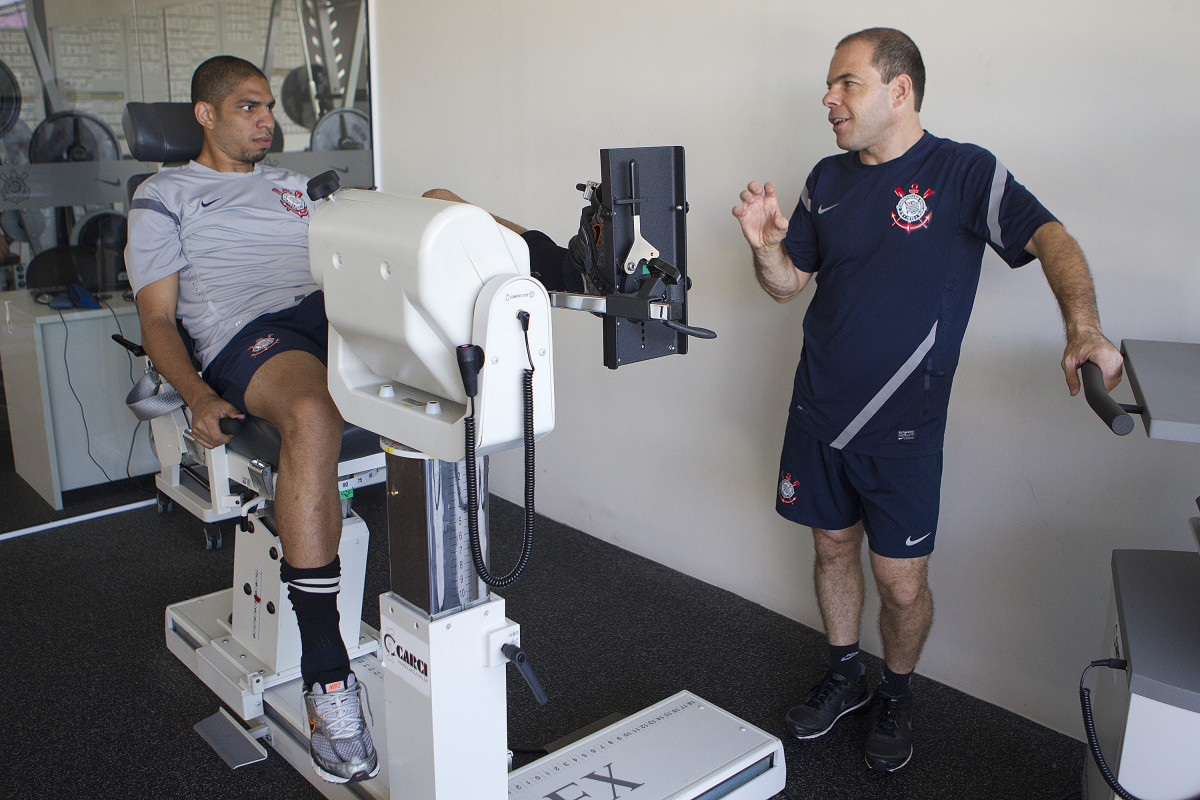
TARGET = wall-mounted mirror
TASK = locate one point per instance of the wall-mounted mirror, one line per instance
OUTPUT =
(68, 67)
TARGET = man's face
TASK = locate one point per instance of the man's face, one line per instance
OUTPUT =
(859, 102)
(244, 122)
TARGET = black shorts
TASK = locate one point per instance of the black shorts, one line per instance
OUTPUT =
(897, 499)
(301, 327)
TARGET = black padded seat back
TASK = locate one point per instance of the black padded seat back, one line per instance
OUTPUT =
(132, 184)
(162, 132)
(165, 133)
(260, 439)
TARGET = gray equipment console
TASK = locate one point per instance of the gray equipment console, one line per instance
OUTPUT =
(1165, 378)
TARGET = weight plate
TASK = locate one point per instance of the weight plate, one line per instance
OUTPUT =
(297, 103)
(10, 99)
(26, 225)
(104, 228)
(342, 129)
(71, 136)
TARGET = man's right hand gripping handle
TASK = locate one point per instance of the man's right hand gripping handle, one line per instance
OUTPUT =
(208, 412)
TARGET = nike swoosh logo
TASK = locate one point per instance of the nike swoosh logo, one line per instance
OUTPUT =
(823, 209)
(209, 203)
(342, 170)
(911, 541)
(109, 182)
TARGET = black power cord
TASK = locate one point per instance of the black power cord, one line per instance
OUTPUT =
(87, 434)
(1089, 726)
(469, 357)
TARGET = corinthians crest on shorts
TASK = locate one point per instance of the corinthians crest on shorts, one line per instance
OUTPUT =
(262, 345)
(912, 212)
(787, 488)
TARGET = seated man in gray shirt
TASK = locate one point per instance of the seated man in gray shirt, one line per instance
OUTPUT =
(221, 243)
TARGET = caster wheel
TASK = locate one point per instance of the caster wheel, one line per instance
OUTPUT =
(165, 504)
(212, 537)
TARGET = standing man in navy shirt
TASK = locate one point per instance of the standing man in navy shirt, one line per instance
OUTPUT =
(894, 231)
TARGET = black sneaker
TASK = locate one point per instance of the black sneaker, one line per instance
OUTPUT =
(830, 700)
(889, 743)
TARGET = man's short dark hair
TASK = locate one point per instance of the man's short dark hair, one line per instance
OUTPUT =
(895, 54)
(216, 78)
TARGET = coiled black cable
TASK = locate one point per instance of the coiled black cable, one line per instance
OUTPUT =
(1089, 727)
(473, 494)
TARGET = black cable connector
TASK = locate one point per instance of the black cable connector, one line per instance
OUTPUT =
(470, 361)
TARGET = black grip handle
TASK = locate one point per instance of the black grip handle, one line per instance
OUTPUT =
(1109, 410)
(521, 661)
(324, 185)
(690, 330)
(470, 361)
(132, 347)
(230, 426)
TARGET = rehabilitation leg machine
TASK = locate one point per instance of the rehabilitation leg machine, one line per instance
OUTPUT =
(440, 346)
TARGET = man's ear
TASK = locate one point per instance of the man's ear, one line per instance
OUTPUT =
(902, 90)
(205, 115)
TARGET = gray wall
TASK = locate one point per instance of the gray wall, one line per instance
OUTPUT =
(1093, 105)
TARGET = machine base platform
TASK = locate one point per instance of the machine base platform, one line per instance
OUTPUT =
(200, 634)
(682, 748)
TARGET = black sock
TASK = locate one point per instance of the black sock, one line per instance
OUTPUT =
(313, 593)
(894, 684)
(844, 661)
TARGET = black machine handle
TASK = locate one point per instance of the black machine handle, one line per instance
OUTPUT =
(521, 661)
(132, 347)
(690, 330)
(1115, 415)
(324, 185)
(230, 426)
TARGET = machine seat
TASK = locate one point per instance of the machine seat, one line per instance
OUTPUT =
(259, 439)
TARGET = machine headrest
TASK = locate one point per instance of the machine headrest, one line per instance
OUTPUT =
(162, 132)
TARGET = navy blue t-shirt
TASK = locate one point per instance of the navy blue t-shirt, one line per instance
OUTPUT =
(897, 248)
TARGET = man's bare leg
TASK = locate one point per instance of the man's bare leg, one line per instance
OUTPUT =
(905, 616)
(838, 577)
(906, 612)
(290, 391)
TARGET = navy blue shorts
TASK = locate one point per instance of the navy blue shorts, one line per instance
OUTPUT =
(301, 327)
(897, 499)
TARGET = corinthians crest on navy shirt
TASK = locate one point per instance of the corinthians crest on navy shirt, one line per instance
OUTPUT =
(912, 212)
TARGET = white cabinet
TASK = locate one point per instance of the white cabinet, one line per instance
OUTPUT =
(65, 381)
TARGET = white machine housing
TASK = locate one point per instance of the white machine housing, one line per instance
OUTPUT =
(419, 278)
(407, 281)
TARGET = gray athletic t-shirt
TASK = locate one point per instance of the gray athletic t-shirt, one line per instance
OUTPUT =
(239, 241)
